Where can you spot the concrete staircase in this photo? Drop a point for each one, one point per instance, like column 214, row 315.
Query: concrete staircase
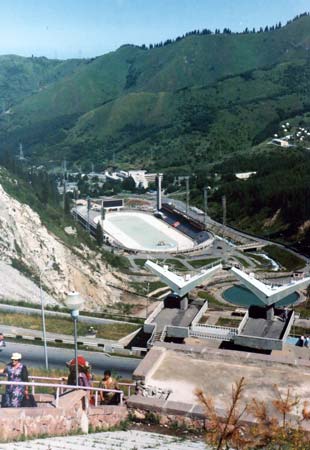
column 125, row 440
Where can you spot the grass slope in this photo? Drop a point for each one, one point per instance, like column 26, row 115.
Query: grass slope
column 204, row 93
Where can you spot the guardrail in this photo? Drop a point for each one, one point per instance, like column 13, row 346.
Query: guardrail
column 215, row 327
column 62, row 380
column 60, row 388
column 153, row 336
column 213, row 332
column 217, row 337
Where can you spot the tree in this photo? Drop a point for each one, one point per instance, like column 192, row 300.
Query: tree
column 129, row 184
column 67, row 204
column 99, row 234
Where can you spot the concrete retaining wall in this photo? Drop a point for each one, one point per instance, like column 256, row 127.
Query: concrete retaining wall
column 70, row 417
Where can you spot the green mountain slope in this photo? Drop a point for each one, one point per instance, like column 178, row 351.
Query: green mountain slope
column 21, row 77
column 199, row 104
column 169, row 106
column 135, row 97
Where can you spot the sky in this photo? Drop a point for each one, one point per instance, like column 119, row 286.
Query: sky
column 86, row 28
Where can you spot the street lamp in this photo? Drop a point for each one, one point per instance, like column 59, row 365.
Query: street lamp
column 147, row 300
column 74, row 302
column 49, row 265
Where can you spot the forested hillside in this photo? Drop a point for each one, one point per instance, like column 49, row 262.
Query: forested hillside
column 201, row 104
column 172, row 105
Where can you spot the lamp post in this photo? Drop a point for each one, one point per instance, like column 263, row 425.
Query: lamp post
column 49, row 265
column 147, row 300
column 74, row 303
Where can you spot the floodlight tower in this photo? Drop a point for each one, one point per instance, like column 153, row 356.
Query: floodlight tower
column 187, row 194
column 64, row 182
column 205, row 195
column 88, row 213
column 159, row 178
column 21, row 156
column 224, row 209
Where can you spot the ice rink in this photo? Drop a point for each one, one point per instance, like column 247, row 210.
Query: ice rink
column 142, row 231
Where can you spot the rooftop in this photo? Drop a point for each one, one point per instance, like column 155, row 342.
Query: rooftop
column 176, row 316
column 215, row 371
column 272, row 329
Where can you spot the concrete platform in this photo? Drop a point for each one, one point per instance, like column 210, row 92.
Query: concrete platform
column 215, row 371
column 176, row 316
column 264, row 328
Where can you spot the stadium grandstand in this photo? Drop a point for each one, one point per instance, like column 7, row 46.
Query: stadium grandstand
column 187, row 225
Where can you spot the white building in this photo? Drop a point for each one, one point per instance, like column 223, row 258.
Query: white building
column 280, row 142
column 244, row 175
column 142, row 178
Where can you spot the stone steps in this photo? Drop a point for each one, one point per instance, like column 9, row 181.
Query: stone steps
column 122, row 440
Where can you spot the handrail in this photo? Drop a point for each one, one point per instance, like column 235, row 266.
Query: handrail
column 214, row 327
column 60, row 387
column 35, row 377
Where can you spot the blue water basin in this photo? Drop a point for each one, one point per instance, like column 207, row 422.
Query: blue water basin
column 241, row 296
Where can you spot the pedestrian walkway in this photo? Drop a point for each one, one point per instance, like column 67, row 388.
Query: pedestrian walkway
column 125, row 440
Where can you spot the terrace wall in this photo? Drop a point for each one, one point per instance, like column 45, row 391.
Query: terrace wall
column 46, row 420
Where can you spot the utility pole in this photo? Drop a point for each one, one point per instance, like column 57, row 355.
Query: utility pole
column 21, row 152
column 159, row 178
column 205, row 195
column 88, row 209
column 147, row 300
column 187, row 194
column 224, row 209
column 102, row 211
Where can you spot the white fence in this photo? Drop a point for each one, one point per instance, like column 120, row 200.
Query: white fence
column 213, row 332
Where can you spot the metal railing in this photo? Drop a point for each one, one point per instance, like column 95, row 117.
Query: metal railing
column 63, row 380
column 217, row 337
column 203, row 326
column 213, row 332
column 60, row 388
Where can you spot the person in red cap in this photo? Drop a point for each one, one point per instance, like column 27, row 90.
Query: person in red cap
column 83, row 368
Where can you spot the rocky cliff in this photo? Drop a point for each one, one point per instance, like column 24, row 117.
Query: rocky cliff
column 28, row 250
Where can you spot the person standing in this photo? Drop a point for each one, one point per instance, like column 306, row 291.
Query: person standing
column 84, row 378
column 14, row 394
column 2, row 341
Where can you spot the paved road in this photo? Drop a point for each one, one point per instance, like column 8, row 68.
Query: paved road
column 33, row 356
column 36, row 311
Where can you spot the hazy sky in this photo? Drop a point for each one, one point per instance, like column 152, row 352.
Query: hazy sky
column 85, row 28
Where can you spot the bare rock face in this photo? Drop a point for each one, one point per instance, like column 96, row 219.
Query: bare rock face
column 28, row 246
